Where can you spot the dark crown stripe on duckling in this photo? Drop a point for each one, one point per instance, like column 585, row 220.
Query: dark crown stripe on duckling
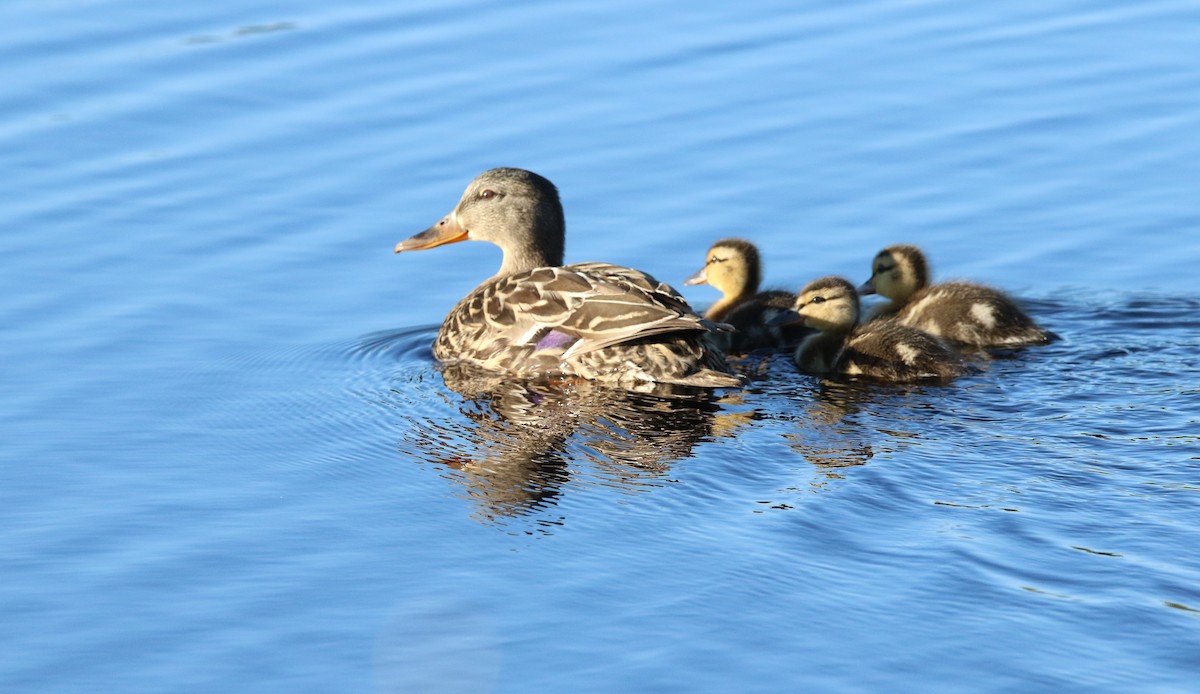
column 837, row 285
column 916, row 260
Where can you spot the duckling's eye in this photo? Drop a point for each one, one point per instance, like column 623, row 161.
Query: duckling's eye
column 715, row 259
column 882, row 269
column 817, row 300
column 488, row 194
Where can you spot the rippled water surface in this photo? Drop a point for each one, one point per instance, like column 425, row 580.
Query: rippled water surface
column 230, row 462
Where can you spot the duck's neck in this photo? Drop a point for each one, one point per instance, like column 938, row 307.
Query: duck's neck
column 881, row 310
column 539, row 245
column 733, row 294
column 724, row 305
column 900, row 297
column 819, row 353
column 524, row 261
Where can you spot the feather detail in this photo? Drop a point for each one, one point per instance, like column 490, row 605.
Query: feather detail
column 537, row 317
column 548, row 320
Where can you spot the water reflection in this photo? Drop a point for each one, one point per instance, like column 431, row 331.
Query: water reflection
column 842, row 424
column 827, row 433
column 519, row 445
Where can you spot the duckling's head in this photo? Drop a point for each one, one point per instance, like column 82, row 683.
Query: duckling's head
column 732, row 266
column 829, row 304
column 897, row 272
column 515, row 209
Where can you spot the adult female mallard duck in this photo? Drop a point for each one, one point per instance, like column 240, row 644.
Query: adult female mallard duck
column 733, row 267
column 537, row 317
column 882, row 349
column 967, row 314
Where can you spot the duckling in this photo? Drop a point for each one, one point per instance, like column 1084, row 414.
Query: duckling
column 539, row 318
column 966, row 314
column 733, row 267
column 882, row 349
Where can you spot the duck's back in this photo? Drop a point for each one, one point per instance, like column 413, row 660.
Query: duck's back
column 750, row 320
column 592, row 320
column 971, row 315
column 888, row 350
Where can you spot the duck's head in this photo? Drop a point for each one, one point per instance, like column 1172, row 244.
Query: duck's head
column 829, row 304
column 732, row 266
column 515, row 209
column 897, row 272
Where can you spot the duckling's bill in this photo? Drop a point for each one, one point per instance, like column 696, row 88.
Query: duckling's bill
column 701, row 277
column 867, row 287
column 446, row 231
column 788, row 317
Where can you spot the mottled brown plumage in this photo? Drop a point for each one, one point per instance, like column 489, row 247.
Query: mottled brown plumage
column 539, row 318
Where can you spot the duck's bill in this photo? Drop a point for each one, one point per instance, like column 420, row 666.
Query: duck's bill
column 440, row 234
column 701, row 277
column 787, row 317
column 867, row 287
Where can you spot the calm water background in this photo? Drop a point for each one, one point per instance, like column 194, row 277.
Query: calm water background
column 230, row 464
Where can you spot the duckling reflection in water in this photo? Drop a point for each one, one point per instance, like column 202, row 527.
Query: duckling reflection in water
column 827, row 433
column 732, row 266
column 966, row 314
column 882, row 349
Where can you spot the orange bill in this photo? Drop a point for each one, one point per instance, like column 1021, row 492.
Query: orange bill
column 445, row 231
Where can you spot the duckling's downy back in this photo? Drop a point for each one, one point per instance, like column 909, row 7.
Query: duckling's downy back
column 965, row 313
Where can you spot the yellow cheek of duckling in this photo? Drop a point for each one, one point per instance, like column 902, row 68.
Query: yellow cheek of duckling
column 812, row 317
column 818, row 323
column 720, row 275
column 886, row 284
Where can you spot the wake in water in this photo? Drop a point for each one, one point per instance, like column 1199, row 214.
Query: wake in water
column 515, row 446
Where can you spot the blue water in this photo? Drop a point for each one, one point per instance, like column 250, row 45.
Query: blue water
column 230, row 463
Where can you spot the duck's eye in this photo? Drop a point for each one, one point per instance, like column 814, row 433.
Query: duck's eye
column 817, row 300
column 488, row 194
column 882, row 269
column 715, row 259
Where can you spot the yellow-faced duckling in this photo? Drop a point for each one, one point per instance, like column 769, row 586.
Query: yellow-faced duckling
column 733, row 267
column 538, row 318
column 882, row 349
column 966, row 314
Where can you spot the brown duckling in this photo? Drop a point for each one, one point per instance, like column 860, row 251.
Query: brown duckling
column 882, row 349
column 733, row 267
column 966, row 314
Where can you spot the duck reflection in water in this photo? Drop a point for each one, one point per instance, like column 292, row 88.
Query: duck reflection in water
column 523, row 443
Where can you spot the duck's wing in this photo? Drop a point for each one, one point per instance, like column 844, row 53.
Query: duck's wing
column 594, row 320
column 590, row 306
